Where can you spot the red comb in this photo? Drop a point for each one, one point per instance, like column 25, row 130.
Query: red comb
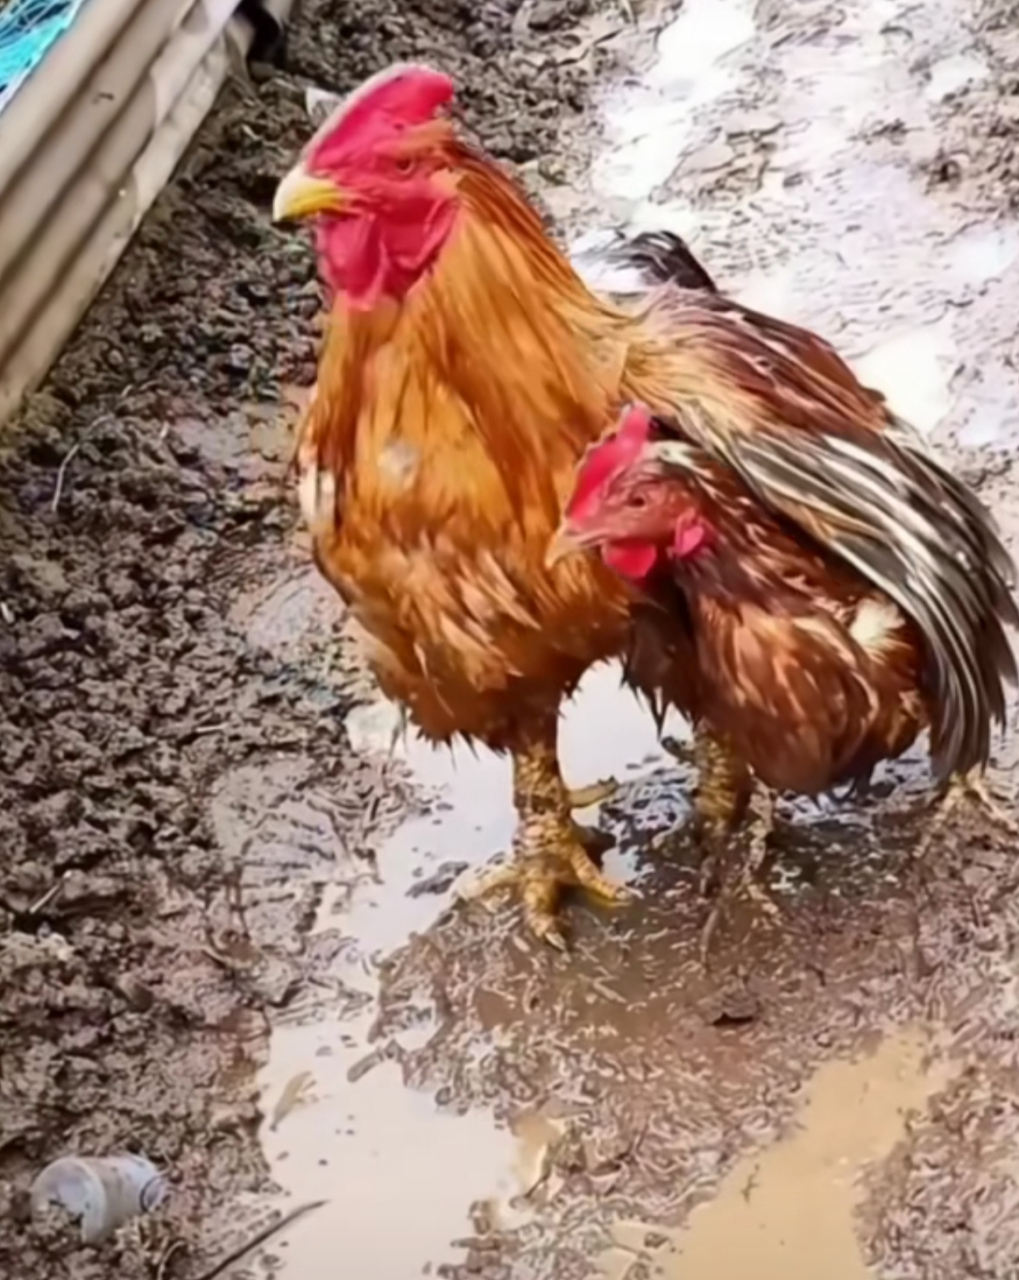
column 406, row 93
column 607, row 458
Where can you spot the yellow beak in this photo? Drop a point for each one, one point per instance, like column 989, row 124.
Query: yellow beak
column 301, row 194
column 564, row 543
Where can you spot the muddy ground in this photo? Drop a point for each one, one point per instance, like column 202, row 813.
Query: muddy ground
column 211, row 869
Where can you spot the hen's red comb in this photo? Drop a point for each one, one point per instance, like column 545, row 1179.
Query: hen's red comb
column 407, row 93
column 607, row 459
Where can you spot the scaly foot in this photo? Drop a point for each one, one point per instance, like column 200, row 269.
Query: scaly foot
column 725, row 786
column 748, row 879
column 548, row 857
column 972, row 788
column 722, row 788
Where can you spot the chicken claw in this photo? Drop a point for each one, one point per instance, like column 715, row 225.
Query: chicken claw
column 550, row 851
column 747, row 881
column 970, row 787
column 723, row 787
column 596, row 793
column 548, row 858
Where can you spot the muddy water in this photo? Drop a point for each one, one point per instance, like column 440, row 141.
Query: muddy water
column 786, row 1212
column 376, row 1150
column 463, row 1087
column 840, row 234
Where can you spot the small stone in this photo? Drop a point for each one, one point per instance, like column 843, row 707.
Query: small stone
column 135, row 992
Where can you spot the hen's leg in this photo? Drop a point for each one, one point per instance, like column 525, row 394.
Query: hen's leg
column 968, row 788
column 550, row 850
column 758, row 857
column 724, row 785
column 755, row 862
column 724, row 789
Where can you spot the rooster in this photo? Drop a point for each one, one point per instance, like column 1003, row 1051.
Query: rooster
column 464, row 370
column 811, row 666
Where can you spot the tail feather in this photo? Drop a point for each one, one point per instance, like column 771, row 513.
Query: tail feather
column 910, row 527
column 662, row 257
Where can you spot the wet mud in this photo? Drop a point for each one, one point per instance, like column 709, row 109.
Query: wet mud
column 228, row 936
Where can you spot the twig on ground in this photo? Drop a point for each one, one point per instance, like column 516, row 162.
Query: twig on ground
column 260, row 1238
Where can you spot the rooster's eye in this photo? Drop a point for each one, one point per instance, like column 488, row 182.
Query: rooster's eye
column 403, row 164
column 638, row 500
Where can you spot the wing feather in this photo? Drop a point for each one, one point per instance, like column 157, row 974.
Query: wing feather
column 780, row 407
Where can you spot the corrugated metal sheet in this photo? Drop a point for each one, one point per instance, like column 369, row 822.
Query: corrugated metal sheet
column 87, row 144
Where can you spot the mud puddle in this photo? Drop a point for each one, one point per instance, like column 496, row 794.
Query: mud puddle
column 177, row 755
column 786, row 1213
column 340, row 1122
column 176, row 785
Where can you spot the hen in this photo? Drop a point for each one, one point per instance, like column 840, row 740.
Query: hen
column 812, row 665
column 464, row 370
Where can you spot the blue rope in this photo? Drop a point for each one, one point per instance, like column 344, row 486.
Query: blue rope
column 28, row 29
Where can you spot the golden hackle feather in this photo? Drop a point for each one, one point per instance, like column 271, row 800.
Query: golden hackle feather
column 451, row 423
column 503, row 329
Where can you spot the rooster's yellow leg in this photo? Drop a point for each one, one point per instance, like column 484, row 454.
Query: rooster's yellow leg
column 550, row 851
column 969, row 788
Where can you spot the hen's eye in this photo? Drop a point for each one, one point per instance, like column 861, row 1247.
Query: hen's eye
column 403, row 164
column 638, row 500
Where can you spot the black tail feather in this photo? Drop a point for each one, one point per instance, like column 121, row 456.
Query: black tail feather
column 662, row 257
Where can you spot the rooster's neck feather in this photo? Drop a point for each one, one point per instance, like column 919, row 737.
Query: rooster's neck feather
column 504, row 330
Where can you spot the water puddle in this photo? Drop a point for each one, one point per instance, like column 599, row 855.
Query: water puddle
column 348, row 1130
column 650, row 124
column 953, row 73
column 400, row 1177
column 834, row 233
column 915, row 370
column 786, row 1213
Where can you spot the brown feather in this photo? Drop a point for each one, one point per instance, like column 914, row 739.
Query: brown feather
column 778, row 406
column 810, row 675
column 486, row 384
